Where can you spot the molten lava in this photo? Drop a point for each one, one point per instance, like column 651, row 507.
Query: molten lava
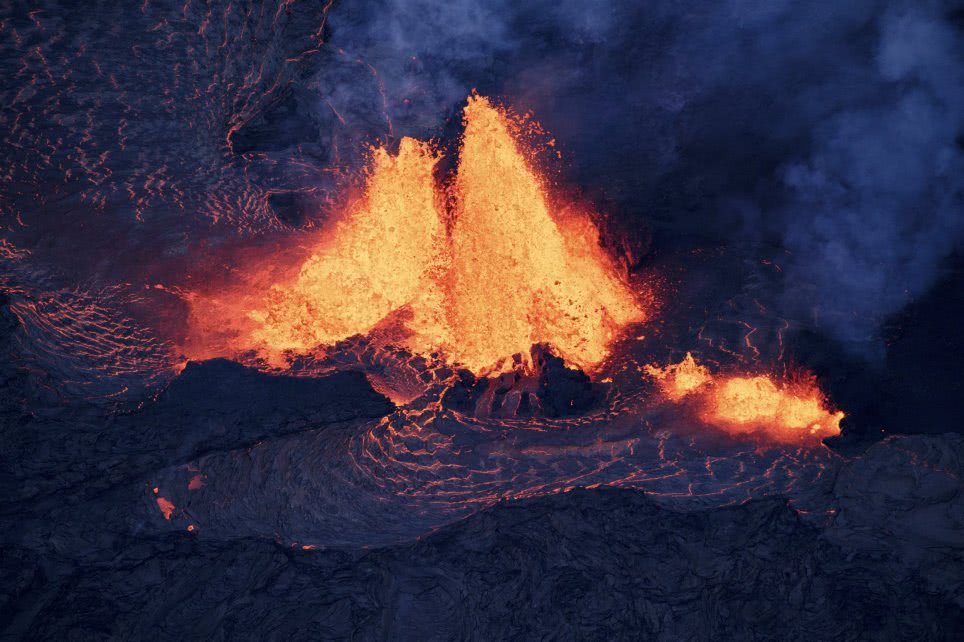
column 376, row 261
column 785, row 411
column 520, row 275
column 503, row 271
column 680, row 379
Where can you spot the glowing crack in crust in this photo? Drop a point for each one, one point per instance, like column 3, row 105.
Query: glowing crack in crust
column 502, row 272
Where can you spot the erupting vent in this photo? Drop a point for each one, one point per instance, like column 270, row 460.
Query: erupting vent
column 478, row 282
column 473, row 269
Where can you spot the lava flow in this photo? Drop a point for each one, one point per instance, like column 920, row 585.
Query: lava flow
column 478, row 282
column 786, row 411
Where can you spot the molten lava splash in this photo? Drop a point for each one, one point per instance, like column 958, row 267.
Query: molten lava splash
column 680, row 379
column 505, row 274
column 785, row 411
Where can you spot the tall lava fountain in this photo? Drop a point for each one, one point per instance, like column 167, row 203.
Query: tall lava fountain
column 478, row 282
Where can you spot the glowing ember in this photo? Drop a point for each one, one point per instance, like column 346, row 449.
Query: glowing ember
column 787, row 411
column 504, row 273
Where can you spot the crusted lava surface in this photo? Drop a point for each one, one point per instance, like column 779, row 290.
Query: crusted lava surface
column 238, row 503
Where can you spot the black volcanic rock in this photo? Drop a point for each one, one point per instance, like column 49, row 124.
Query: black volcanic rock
column 212, row 405
column 562, row 391
column 222, row 387
column 548, row 389
column 600, row 565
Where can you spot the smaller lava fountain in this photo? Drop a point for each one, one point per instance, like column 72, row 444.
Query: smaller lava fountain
column 791, row 411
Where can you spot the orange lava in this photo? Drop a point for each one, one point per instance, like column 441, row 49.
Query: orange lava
column 377, row 260
column 680, row 379
column 166, row 507
column 784, row 411
column 519, row 274
column 477, row 282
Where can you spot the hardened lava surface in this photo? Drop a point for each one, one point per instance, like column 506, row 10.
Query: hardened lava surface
column 243, row 504
column 422, row 466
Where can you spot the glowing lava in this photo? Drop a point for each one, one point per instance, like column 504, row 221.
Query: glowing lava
column 677, row 380
column 501, row 272
column 519, row 274
column 785, row 411
column 377, row 260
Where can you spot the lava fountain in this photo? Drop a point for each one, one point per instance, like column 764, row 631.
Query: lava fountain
column 789, row 411
column 476, row 282
column 421, row 273
column 474, row 270
column 378, row 260
column 520, row 275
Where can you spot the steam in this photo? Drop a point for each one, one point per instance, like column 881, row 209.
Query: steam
column 878, row 204
column 831, row 129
